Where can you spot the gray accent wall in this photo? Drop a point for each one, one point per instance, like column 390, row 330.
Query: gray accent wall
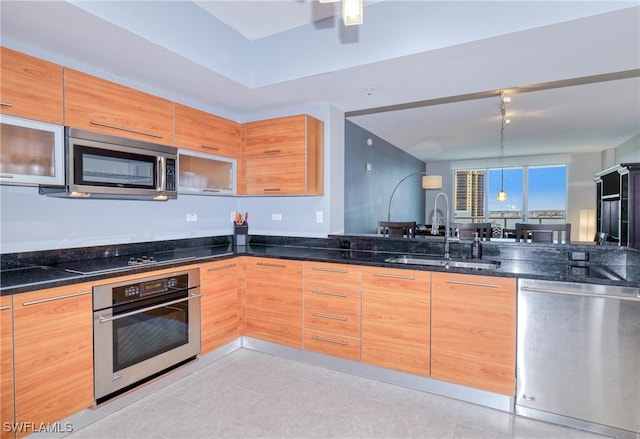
column 367, row 192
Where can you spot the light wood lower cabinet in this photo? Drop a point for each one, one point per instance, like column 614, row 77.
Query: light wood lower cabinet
column 221, row 286
column 332, row 309
column 274, row 300
column 53, row 342
column 473, row 331
column 395, row 319
column 6, row 367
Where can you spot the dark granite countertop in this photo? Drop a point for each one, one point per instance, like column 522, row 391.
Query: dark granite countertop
column 36, row 270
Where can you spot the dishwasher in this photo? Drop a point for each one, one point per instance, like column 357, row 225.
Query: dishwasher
column 578, row 356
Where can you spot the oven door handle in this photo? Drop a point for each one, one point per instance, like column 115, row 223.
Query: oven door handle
column 104, row 319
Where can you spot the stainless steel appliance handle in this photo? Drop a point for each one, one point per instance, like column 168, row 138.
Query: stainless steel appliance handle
column 163, row 174
column 115, row 127
column 104, row 319
column 576, row 293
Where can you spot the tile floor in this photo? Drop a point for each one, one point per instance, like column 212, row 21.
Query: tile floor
column 249, row 394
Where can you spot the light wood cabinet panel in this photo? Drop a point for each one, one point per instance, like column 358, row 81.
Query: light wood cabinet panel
column 53, row 341
column 396, row 319
column 330, row 343
column 6, row 366
column 283, row 156
column 274, row 300
column 30, row 87
column 473, row 338
column 98, row 105
column 221, row 286
column 332, row 309
column 206, row 132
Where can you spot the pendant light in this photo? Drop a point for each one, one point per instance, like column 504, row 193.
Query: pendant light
column 502, row 195
column 352, row 11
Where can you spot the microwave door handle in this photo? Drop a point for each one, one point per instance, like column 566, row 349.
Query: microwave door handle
column 162, row 171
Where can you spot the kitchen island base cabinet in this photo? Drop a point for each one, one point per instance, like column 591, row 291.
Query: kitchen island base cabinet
column 53, row 341
column 473, row 331
column 395, row 319
column 221, row 286
column 274, row 301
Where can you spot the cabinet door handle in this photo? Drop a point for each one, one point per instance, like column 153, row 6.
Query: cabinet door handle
column 268, row 264
column 271, row 189
column 395, row 276
column 330, row 270
column 6, row 104
column 271, row 151
column 5, row 307
column 6, row 176
column 222, row 267
column 329, row 293
column 210, row 190
column 474, row 284
column 115, row 127
column 51, row 299
column 215, row 148
column 327, row 316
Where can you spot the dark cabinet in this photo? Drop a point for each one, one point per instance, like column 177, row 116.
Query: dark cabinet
column 618, row 204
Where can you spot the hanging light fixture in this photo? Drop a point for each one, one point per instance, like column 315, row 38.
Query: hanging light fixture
column 352, row 11
column 502, row 195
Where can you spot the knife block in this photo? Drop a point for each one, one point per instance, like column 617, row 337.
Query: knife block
column 240, row 234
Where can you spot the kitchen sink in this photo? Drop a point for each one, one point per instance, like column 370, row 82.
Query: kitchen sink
column 446, row 263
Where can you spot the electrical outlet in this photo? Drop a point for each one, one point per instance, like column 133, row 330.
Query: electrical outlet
column 192, row 217
column 369, row 167
column 319, row 216
column 233, row 215
column 276, row 217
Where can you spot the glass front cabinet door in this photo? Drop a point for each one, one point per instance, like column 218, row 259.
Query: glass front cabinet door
column 31, row 152
column 205, row 174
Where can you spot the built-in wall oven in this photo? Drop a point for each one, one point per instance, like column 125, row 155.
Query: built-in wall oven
column 144, row 327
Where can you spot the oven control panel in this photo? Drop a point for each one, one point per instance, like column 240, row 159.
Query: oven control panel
column 149, row 288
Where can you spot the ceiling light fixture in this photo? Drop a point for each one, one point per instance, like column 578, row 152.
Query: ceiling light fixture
column 502, row 195
column 352, row 11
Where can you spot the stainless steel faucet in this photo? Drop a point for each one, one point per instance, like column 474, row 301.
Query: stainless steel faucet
column 434, row 222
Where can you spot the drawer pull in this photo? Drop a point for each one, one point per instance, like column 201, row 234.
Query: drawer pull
column 329, row 293
column 271, row 151
column 3, row 308
column 51, row 299
column 271, row 189
column 215, row 148
column 106, row 125
column 269, row 264
column 395, row 276
column 6, row 176
column 474, row 284
column 330, row 270
column 327, row 316
column 6, row 104
column 329, row 340
column 222, row 267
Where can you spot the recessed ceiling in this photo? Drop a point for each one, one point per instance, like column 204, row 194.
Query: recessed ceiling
column 245, row 59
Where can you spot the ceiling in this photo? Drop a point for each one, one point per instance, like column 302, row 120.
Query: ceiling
column 422, row 75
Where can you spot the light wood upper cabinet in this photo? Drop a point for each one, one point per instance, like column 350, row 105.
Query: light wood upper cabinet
column 283, row 156
column 332, row 309
column 396, row 319
column 98, row 105
column 206, row 132
column 30, row 87
column 6, row 366
column 473, row 332
column 274, row 300
column 53, row 342
column 221, row 286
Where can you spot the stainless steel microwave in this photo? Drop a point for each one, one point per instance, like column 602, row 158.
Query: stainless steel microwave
column 104, row 166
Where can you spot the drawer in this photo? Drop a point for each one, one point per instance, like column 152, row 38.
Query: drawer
column 320, row 295
column 332, row 344
column 333, row 274
column 331, row 321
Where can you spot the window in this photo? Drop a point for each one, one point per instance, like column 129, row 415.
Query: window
column 534, row 194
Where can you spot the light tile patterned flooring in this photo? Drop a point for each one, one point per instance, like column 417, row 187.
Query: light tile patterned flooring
column 249, row 394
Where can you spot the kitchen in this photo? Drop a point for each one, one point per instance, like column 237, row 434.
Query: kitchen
column 88, row 223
